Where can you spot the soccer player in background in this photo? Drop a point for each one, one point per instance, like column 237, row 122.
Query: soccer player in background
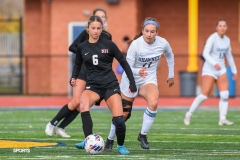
column 70, row 111
column 143, row 56
column 216, row 49
column 97, row 54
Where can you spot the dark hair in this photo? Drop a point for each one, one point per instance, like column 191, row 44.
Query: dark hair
column 220, row 20
column 94, row 19
column 140, row 34
column 99, row 9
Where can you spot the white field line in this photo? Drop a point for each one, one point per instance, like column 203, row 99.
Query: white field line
column 162, row 134
column 87, row 157
column 33, row 126
column 125, row 157
column 154, row 141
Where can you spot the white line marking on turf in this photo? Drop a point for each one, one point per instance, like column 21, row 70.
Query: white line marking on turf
column 64, row 139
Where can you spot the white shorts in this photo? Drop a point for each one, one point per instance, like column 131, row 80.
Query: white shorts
column 211, row 71
column 124, row 87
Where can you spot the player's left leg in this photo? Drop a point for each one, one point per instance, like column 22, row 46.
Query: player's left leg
column 115, row 105
column 127, row 108
column 222, row 84
column 150, row 93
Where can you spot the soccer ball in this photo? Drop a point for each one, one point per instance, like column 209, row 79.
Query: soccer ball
column 94, row 144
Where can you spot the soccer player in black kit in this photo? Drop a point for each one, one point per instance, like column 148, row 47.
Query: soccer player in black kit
column 70, row 111
column 97, row 55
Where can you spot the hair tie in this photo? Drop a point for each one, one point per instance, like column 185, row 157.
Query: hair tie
column 150, row 22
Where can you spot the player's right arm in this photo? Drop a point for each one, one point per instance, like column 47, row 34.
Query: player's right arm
column 207, row 50
column 77, row 65
column 81, row 38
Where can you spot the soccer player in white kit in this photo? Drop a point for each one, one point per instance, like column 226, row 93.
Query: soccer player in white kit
column 216, row 49
column 143, row 57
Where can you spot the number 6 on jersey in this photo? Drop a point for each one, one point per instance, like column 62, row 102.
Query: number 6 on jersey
column 95, row 59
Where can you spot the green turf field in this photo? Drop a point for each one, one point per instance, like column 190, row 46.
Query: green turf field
column 169, row 138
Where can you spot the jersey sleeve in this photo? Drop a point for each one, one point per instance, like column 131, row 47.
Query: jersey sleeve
column 207, row 49
column 170, row 59
column 121, row 59
column 81, row 38
column 131, row 56
column 231, row 60
column 78, row 63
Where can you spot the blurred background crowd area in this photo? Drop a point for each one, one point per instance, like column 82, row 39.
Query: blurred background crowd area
column 35, row 36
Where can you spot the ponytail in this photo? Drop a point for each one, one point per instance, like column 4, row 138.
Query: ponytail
column 136, row 37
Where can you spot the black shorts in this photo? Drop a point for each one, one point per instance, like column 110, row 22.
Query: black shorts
column 83, row 73
column 105, row 93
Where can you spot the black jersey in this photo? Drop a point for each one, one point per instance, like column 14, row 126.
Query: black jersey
column 83, row 36
column 98, row 58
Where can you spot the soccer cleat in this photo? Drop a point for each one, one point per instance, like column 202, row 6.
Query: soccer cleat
column 61, row 132
column 49, row 129
column 143, row 139
column 122, row 149
column 187, row 118
column 225, row 122
column 108, row 145
column 80, row 145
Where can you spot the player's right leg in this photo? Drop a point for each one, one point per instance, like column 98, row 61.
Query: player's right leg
column 207, row 85
column 67, row 109
column 88, row 98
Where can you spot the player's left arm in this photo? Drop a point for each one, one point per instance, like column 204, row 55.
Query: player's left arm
column 170, row 61
column 121, row 59
column 231, row 62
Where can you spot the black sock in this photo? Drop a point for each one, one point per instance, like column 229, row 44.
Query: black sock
column 64, row 111
column 68, row 119
column 87, row 123
column 119, row 123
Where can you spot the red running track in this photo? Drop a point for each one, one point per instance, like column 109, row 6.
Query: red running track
column 59, row 101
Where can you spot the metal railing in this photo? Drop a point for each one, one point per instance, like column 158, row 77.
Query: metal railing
column 40, row 68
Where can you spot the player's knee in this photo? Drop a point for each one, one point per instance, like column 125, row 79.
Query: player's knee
column 84, row 106
column 224, row 95
column 119, row 122
column 127, row 109
column 76, row 102
column 153, row 104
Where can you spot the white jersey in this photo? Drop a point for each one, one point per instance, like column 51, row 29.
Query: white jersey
column 216, row 48
column 141, row 54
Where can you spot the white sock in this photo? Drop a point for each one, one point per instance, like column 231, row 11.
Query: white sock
column 148, row 119
column 223, row 104
column 197, row 102
column 112, row 133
